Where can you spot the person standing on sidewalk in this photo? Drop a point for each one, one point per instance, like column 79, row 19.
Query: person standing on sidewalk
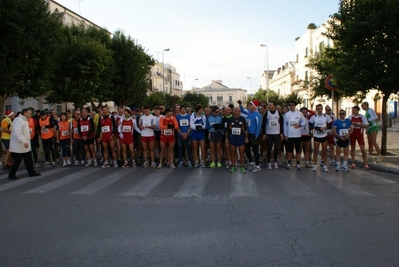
column 6, row 127
column 359, row 123
column 372, row 131
column 20, row 145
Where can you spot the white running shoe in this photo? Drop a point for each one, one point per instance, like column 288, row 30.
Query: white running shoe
column 288, row 166
column 275, row 166
column 95, row 163
column 269, row 166
column 88, row 164
column 345, row 168
column 160, row 166
column 325, row 169
column 314, row 168
column 298, row 167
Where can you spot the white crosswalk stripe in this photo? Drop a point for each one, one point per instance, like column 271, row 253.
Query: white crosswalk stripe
column 63, row 181
column 104, row 182
column 243, row 185
column 343, row 184
column 195, row 184
column 147, row 183
column 19, row 172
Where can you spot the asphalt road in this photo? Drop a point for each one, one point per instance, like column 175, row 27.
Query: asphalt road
column 199, row 217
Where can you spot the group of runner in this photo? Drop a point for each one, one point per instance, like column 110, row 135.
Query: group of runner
column 235, row 137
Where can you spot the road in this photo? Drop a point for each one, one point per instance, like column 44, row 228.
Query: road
column 199, row 217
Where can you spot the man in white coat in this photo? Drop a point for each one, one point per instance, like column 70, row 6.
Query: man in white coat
column 20, row 145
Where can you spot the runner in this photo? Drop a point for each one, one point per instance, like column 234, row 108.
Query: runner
column 157, row 132
column 77, row 141
column 330, row 135
column 215, row 128
column 197, row 125
column 6, row 127
column 319, row 123
column 47, row 133
column 283, row 143
column 342, row 129
column 254, row 123
column 64, row 139
column 272, row 133
column 227, row 116
column 237, row 137
column 305, row 138
column 293, row 123
column 168, row 125
column 87, row 133
column 359, row 123
column 126, row 134
column 106, row 132
column 147, row 126
column 372, row 132
column 33, row 128
column 184, row 136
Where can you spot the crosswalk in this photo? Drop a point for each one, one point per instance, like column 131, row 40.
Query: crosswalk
column 193, row 183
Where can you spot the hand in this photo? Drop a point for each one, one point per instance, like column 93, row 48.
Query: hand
column 121, row 135
column 281, row 137
column 246, row 140
column 227, row 142
column 239, row 102
column 286, row 138
column 297, row 126
column 26, row 145
column 99, row 140
column 84, row 138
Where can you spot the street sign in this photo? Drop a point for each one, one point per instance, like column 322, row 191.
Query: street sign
column 329, row 83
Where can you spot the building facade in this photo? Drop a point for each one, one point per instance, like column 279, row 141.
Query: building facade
column 221, row 95
column 283, row 78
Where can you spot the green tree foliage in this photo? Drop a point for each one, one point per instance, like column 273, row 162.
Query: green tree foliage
column 263, row 95
column 133, row 69
column 29, row 36
column 85, row 68
column 365, row 35
column 191, row 99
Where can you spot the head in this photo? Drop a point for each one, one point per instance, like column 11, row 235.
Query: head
column 27, row 113
column 105, row 110
column 52, row 112
column 227, row 111
column 88, row 110
column 189, row 111
column 121, row 111
column 63, row 117
column 253, row 105
column 231, row 106
column 292, row 105
column 215, row 111
column 162, row 108
column 199, row 109
column 43, row 115
column 272, row 105
column 146, row 110
column 84, row 113
column 328, row 110
column 285, row 109
column 168, row 112
column 355, row 110
column 10, row 114
column 279, row 108
column 76, row 114
column 127, row 112
column 69, row 114
column 365, row 105
column 177, row 109
column 207, row 111
column 237, row 112
column 263, row 108
column 342, row 114
column 319, row 109
column 37, row 112
column 183, row 110
column 157, row 111
column 304, row 111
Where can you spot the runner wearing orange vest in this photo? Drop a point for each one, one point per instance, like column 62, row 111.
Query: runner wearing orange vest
column 87, row 133
column 33, row 144
column 77, row 141
column 47, row 132
column 64, row 139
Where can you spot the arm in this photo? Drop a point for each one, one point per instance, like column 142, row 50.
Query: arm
column 258, row 120
column 243, row 110
column 175, row 123
column 92, row 127
column 98, row 132
column 114, row 126
column 373, row 115
column 19, row 135
column 263, row 126
column 161, row 124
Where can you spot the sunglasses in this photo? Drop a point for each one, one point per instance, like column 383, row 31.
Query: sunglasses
column 341, row 113
column 292, row 105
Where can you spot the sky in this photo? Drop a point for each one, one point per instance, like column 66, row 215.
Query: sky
column 211, row 39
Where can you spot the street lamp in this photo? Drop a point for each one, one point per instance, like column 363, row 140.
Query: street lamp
column 196, row 79
column 163, row 70
column 266, row 64
column 250, row 84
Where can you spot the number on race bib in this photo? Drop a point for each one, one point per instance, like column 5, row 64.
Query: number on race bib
column 126, row 129
column 105, row 129
column 293, row 123
column 343, row 132
column 75, row 131
column 329, row 131
column 248, row 122
column 84, row 128
column 45, row 130
column 167, row 132
column 273, row 124
column 65, row 133
column 184, row 122
column 236, row 131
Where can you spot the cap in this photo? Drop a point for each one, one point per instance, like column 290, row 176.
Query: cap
column 128, row 109
column 255, row 103
column 9, row 113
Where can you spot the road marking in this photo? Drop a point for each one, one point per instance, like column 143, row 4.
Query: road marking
column 370, row 177
column 63, row 181
column 26, row 180
column 342, row 183
column 19, row 172
column 294, row 186
column 104, row 182
column 243, row 185
column 195, row 184
column 148, row 183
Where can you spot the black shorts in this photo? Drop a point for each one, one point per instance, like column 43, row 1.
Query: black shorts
column 157, row 136
column 305, row 138
column 6, row 143
column 215, row 137
column 206, row 132
column 342, row 143
column 295, row 141
column 321, row 140
column 89, row 142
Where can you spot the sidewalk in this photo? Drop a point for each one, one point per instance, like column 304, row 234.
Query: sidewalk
column 390, row 163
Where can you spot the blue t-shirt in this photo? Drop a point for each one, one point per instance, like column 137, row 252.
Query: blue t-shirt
column 342, row 127
column 184, row 122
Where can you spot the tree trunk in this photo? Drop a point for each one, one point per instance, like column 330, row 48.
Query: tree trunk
column 2, row 102
column 384, row 124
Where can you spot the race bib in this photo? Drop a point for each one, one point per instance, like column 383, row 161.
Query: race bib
column 45, row 130
column 293, row 123
column 105, row 129
column 126, row 129
column 319, row 132
column 184, row 122
column 225, row 125
column 84, row 128
column 146, row 124
column 329, row 131
column 75, row 131
column 167, row 132
column 65, row 133
column 305, row 127
column 248, row 122
column 273, row 123
column 343, row 132
column 236, row 131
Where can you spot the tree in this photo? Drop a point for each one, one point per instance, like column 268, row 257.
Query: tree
column 264, row 95
column 365, row 49
column 85, row 68
column 133, row 69
column 29, row 36
column 191, row 99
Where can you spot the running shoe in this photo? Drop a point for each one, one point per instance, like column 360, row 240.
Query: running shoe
column 53, row 163
column 146, row 164
column 64, row 164
column 256, row 169
column 153, row 165
column 180, row 165
column 116, row 164
column 202, row 165
column 367, row 167
column 242, row 170
column 159, row 166
column 233, row 169
column 134, row 165
column 105, row 165
column 308, row 165
column 219, row 165
column 38, row 166
column 250, row 166
column 379, row 159
column 172, row 166
column 95, row 163
column 325, row 169
column 314, row 168
column 212, row 165
column 269, row 166
column 189, row 165
column 333, row 163
column 83, row 162
column 196, row 165
column 46, row 165
column 275, row 166
column 88, row 164
column 298, row 167
column 345, row 168
column 337, row 169
column 125, row 165
column 288, row 166
column 353, row 166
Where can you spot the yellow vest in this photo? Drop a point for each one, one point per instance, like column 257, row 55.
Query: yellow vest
column 6, row 123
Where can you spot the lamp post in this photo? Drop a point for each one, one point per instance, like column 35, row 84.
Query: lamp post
column 266, row 64
column 163, row 70
column 196, row 79
column 250, row 84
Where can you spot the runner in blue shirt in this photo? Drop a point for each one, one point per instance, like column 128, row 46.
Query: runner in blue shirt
column 342, row 129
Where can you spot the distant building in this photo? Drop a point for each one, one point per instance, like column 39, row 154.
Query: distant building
column 172, row 83
column 221, row 95
column 283, row 78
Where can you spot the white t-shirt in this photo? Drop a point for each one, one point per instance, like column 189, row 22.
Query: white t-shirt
column 320, row 121
column 291, row 118
column 147, row 121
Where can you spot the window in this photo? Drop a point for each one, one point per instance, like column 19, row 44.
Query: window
column 297, row 58
column 230, row 98
column 306, row 52
column 209, row 98
column 59, row 109
column 219, row 98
